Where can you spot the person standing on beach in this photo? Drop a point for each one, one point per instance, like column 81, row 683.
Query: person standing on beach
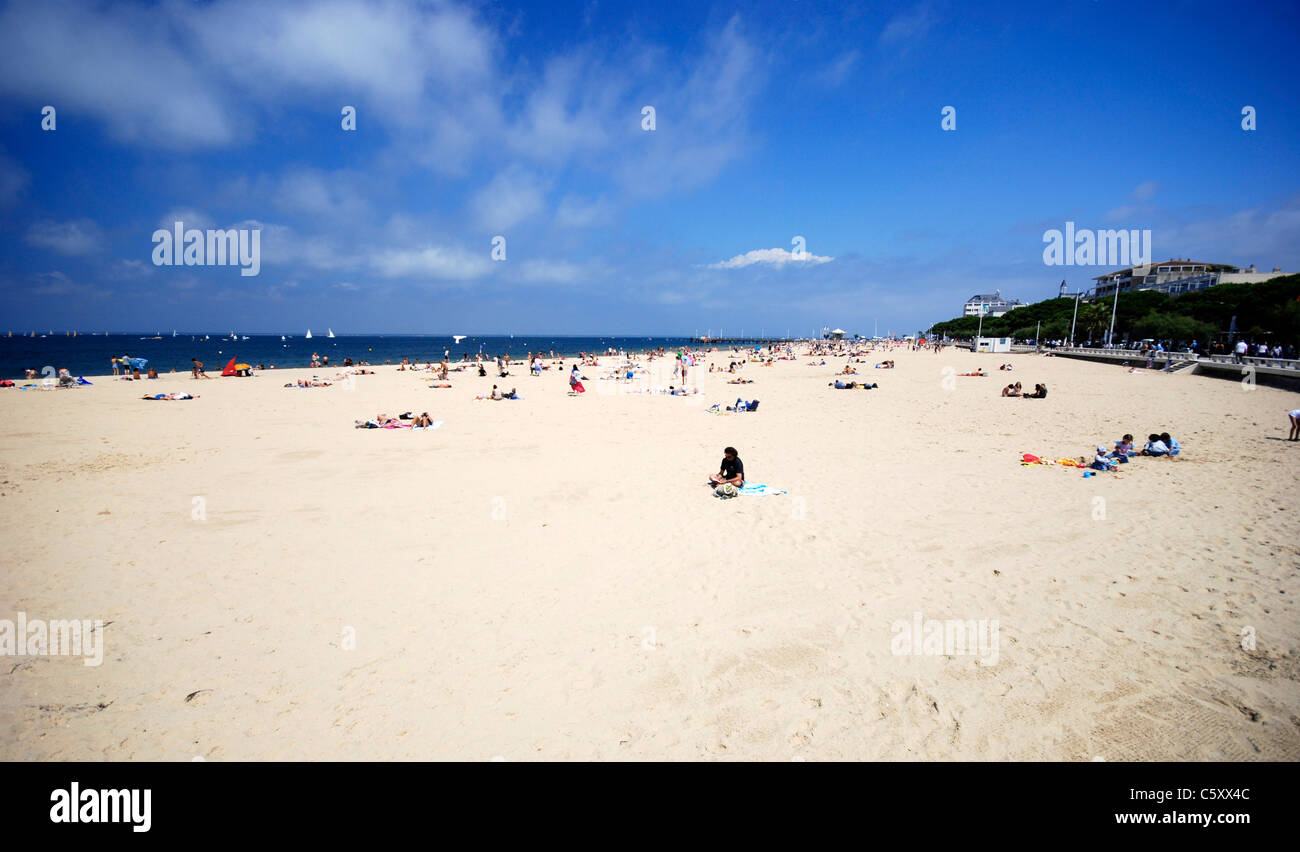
column 575, row 381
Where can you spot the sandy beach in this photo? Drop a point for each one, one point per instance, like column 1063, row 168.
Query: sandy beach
column 550, row 579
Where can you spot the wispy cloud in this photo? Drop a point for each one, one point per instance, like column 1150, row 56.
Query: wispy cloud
column 771, row 257
column 80, row 236
column 432, row 262
column 908, row 26
column 1146, row 190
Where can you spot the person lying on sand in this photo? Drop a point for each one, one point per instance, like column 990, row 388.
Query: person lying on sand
column 838, row 385
column 848, row 371
column 732, row 470
column 889, row 365
column 168, row 396
column 422, row 420
column 739, row 381
column 977, row 372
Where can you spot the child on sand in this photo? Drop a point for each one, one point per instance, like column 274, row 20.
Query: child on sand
column 1100, row 461
column 1294, row 434
column 1155, row 446
column 1171, row 443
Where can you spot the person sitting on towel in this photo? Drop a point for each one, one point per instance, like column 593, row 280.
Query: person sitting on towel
column 732, row 470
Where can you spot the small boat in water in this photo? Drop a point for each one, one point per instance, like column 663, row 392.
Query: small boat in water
column 331, row 334
column 308, row 334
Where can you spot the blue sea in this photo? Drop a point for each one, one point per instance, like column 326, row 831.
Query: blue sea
column 87, row 355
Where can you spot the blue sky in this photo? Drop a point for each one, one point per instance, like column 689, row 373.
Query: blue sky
column 772, row 121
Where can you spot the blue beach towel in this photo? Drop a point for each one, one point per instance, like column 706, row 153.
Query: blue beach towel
column 758, row 490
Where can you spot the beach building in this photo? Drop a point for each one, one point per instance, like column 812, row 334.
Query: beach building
column 993, row 344
column 1178, row 276
column 990, row 305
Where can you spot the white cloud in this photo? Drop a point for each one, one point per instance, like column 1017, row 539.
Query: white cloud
column 550, row 272
column 119, row 63
column 188, row 215
column 771, row 257
column 80, row 236
column 1146, row 190
column 575, row 212
column 128, row 269
column 835, row 73
column 13, row 180
column 58, row 284
column 434, row 262
column 513, row 196
column 907, row 26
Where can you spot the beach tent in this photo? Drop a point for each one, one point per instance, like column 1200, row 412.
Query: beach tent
column 230, row 368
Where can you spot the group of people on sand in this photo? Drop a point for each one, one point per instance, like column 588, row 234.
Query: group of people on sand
column 496, row 394
column 1039, row 392
column 1157, row 446
column 383, row 421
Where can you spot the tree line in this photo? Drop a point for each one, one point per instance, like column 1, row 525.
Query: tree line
column 1265, row 312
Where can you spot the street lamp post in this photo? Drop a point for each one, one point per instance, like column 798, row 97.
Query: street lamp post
column 1076, row 317
column 1110, row 334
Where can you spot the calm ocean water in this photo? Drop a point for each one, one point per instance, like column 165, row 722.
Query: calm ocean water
column 87, row 355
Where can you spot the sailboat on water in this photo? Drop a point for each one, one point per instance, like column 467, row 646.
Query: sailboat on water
column 308, row 335
column 331, row 333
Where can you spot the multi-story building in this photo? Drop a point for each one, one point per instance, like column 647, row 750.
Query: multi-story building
column 1177, row 276
column 990, row 305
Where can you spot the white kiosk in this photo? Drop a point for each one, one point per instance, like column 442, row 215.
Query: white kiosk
column 993, row 344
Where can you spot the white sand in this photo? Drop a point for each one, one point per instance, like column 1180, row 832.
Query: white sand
column 528, row 636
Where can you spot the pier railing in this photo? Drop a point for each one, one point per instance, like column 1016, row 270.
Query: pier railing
column 1218, row 363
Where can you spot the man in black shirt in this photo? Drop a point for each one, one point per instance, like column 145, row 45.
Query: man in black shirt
column 732, row 470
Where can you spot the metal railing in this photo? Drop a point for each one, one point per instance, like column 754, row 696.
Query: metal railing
column 1288, row 364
